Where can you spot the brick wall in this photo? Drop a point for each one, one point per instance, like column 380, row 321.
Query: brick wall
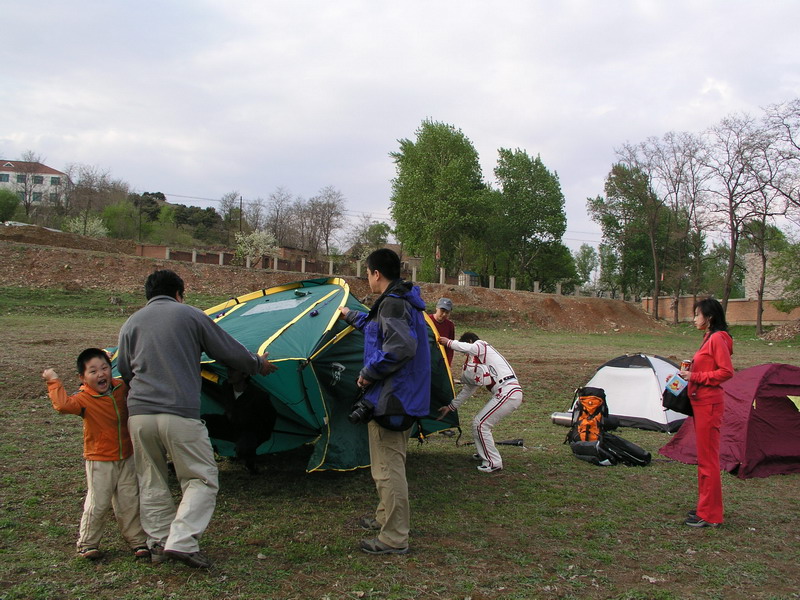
column 739, row 312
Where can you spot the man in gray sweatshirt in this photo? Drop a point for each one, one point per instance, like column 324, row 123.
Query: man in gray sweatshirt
column 159, row 358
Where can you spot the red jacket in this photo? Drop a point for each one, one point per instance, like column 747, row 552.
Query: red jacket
column 105, row 418
column 711, row 367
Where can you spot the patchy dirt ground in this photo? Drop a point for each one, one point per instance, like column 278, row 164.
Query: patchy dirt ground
column 36, row 257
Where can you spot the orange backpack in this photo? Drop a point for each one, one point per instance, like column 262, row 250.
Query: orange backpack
column 588, row 415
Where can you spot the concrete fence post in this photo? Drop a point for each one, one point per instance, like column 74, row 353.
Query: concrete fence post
column 414, row 274
column 491, row 282
column 194, row 255
column 513, row 284
column 535, row 287
column 302, row 264
column 442, row 278
column 166, row 253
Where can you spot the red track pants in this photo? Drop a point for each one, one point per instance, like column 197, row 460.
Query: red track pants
column 707, row 422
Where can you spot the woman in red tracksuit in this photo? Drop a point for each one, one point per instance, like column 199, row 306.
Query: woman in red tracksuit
column 711, row 366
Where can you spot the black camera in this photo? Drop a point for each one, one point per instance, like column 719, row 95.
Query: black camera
column 361, row 411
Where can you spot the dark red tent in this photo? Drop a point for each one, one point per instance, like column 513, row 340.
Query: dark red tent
column 760, row 426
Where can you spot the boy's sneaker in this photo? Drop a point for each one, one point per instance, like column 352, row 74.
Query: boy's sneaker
column 90, row 553
column 196, row 560
column 375, row 546
column 157, row 555
column 696, row 521
column 488, row 469
column 141, row 552
column 369, row 523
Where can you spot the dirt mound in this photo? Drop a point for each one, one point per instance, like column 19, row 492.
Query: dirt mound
column 32, row 234
column 66, row 267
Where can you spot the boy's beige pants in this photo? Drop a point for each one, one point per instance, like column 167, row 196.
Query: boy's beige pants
column 111, row 484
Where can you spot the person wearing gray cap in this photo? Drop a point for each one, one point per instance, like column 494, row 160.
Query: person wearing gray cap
column 444, row 326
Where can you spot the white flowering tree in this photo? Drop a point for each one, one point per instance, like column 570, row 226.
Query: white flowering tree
column 254, row 246
column 89, row 225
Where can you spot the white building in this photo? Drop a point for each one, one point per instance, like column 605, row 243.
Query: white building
column 33, row 182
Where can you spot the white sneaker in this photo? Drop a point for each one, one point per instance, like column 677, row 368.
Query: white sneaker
column 488, row 469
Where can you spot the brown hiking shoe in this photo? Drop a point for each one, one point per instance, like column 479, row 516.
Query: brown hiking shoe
column 196, row 560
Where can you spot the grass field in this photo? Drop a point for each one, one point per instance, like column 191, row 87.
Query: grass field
column 547, row 526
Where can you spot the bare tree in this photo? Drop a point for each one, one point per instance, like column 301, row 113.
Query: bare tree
column 89, row 189
column 733, row 146
column 327, row 210
column 30, row 183
column 278, row 215
column 255, row 215
column 783, row 121
column 678, row 176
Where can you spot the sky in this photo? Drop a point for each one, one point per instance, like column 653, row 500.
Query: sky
column 197, row 99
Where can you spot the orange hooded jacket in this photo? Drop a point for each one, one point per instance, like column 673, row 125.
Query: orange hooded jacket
column 105, row 418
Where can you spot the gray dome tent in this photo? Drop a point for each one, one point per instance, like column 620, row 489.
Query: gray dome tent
column 634, row 384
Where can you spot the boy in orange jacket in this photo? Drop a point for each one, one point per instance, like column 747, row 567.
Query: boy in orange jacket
column 110, row 473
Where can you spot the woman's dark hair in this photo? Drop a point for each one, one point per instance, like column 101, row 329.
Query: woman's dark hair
column 712, row 310
column 87, row 355
column 163, row 283
column 386, row 262
column 468, row 337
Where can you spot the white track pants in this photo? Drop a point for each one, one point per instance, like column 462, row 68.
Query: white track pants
column 500, row 406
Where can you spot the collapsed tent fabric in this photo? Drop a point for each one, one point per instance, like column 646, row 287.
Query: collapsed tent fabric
column 308, row 399
column 634, row 384
column 760, row 424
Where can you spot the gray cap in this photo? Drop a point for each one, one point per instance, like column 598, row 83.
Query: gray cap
column 445, row 303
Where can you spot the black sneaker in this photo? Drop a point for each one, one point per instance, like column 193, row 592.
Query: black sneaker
column 196, row 560
column 696, row 521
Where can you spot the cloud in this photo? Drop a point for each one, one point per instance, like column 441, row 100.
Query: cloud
column 199, row 98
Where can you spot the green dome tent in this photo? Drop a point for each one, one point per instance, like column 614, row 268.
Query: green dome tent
column 308, row 399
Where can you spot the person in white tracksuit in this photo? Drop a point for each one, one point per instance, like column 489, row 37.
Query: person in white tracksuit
column 485, row 366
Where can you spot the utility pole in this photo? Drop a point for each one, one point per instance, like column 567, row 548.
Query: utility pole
column 240, row 214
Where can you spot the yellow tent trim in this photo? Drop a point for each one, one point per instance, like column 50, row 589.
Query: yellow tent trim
column 308, row 309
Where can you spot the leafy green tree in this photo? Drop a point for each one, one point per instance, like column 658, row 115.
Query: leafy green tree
column 9, row 201
column 434, row 194
column 553, row 265
column 715, row 271
column 122, row 220
column 586, row 261
column 761, row 238
column 609, row 277
column 785, row 265
column 533, row 214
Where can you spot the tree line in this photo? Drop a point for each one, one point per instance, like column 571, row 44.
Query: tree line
column 682, row 208
column 677, row 214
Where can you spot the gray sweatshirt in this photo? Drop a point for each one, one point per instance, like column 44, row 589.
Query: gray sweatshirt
column 159, row 356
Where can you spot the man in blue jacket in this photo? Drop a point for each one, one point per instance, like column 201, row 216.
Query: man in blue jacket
column 396, row 379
